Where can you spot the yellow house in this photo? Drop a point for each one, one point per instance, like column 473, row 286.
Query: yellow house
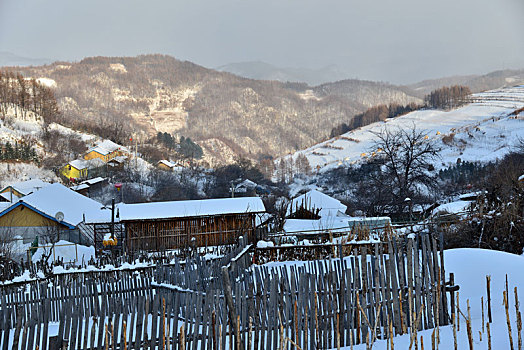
column 52, row 210
column 105, row 150
column 21, row 215
column 76, row 169
column 165, row 165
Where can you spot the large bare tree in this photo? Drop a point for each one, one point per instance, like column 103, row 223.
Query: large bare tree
column 406, row 157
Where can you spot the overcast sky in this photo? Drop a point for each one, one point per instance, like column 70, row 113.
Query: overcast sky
column 390, row 40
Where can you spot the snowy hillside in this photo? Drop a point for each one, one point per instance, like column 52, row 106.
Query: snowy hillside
column 22, row 126
column 484, row 130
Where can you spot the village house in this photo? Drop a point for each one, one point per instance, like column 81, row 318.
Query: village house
column 96, row 162
column 166, row 165
column 81, row 169
column 245, row 188
column 180, row 224
column 52, row 212
column 105, row 150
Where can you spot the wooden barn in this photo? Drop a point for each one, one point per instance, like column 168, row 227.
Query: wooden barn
column 179, row 224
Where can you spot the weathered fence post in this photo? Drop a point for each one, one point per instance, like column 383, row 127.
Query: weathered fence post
column 488, row 288
column 228, row 293
column 18, row 328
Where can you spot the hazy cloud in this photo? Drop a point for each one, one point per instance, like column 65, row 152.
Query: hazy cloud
column 398, row 41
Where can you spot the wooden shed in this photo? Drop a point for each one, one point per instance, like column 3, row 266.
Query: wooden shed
column 179, row 224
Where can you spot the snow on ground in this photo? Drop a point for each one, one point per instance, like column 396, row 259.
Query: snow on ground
column 480, row 131
column 17, row 125
column 68, row 131
column 16, row 172
column 66, row 251
column 48, row 82
column 456, row 207
column 471, row 267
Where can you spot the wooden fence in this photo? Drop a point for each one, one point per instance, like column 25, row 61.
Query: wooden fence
column 228, row 302
column 287, row 252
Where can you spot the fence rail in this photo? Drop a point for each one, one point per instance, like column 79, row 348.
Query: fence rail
column 201, row 304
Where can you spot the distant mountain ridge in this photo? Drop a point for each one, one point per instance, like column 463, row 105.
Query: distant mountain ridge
column 333, row 77
column 8, row 59
column 265, row 71
column 477, row 83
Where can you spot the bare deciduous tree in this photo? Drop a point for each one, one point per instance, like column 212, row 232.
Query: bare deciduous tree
column 406, row 159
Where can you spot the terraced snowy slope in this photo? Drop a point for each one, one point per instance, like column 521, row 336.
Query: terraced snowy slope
column 483, row 130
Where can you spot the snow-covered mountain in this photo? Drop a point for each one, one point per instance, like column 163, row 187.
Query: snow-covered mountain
column 484, row 130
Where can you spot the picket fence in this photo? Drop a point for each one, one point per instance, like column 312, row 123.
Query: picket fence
column 229, row 303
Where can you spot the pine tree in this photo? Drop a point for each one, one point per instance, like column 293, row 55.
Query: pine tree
column 9, row 151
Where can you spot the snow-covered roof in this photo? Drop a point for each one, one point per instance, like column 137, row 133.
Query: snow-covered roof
column 86, row 164
column 456, row 207
column 521, row 177
column 79, row 164
column 4, row 205
column 471, row 195
column 328, row 206
column 167, row 163
column 93, row 181
column 118, row 159
column 341, row 222
column 247, row 184
column 303, row 225
column 105, row 147
column 29, row 186
column 80, row 187
column 191, row 208
column 56, row 198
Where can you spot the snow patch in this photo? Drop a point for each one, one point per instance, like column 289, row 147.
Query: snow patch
column 66, row 251
column 118, row 67
column 48, row 82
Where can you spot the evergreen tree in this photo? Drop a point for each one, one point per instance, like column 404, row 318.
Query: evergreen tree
column 9, row 151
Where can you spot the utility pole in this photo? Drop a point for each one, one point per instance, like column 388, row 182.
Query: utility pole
column 136, row 152
column 113, row 219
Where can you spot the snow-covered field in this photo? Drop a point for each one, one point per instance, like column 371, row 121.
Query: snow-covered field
column 480, row 131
